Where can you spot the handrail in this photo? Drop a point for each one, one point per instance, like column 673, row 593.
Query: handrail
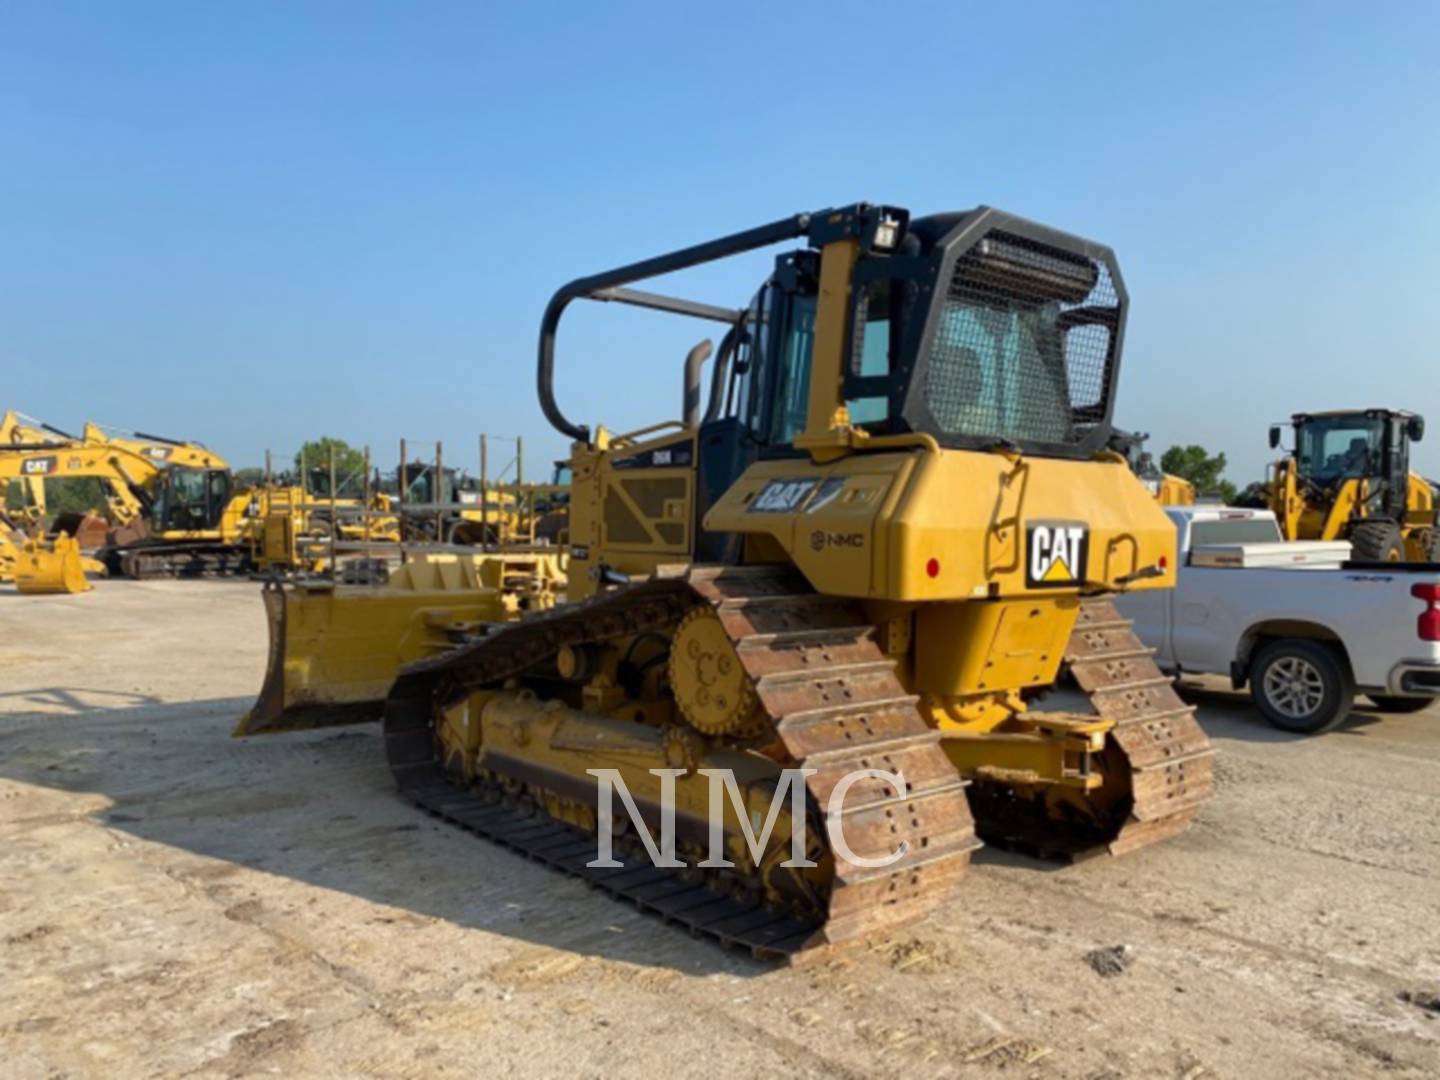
column 620, row 442
column 587, row 287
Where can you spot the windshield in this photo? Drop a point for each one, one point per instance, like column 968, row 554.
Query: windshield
column 1331, row 448
column 181, row 503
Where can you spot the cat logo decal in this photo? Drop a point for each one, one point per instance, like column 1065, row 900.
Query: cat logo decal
column 1056, row 553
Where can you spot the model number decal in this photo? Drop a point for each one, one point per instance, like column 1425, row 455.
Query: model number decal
column 666, row 457
column 782, row 496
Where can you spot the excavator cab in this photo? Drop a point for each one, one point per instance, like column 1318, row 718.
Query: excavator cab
column 189, row 500
column 1348, row 476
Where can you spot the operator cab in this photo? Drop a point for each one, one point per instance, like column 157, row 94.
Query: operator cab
column 417, row 482
column 346, row 487
column 978, row 330
column 1020, row 349
column 1374, row 444
column 191, row 500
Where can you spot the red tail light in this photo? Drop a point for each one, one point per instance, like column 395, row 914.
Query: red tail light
column 1428, row 626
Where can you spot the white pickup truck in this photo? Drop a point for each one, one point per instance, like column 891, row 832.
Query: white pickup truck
column 1304, row 627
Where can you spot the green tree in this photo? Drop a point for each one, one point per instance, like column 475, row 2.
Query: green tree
column 1196, row 464
column 63, row 495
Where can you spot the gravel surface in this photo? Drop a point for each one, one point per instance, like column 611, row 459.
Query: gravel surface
column 173, row 901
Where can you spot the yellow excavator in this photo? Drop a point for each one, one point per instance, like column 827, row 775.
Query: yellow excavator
column 36, row 559
column 851, row 579
column 1347, row 477
column 174, row 504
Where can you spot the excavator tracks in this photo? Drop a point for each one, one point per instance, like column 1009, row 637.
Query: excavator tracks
column 147, row 562
column 835, row 705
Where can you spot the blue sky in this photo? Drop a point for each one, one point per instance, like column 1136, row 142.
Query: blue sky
column 256, row 223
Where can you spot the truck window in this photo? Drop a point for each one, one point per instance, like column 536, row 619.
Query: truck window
column 1237, row 531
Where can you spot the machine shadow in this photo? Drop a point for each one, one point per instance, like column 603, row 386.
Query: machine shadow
column 77, row 699
column 1232, row 715
column 319, row 808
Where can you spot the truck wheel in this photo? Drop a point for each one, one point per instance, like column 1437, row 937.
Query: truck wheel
column 1377, row 541
column 1386, row 703
column 1301, row 686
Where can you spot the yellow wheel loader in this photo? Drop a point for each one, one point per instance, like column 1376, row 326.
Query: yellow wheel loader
column 1347, row 477
column 849, row 580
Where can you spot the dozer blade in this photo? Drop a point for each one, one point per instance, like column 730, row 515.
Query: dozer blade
column 51, row 566
column 335, row 649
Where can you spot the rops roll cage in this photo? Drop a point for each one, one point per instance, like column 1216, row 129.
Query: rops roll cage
column 821, row 227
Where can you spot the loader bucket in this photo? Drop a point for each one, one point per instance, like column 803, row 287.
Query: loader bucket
column 51, row 566
column 336, row 648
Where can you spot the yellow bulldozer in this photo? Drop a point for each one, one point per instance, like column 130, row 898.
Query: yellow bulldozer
column 1347, row 477
column 849, row 580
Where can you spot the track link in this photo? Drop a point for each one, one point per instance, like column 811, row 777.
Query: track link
column 150, row 561
column 1156, row 740
column 1169, row 754
column 834, row 702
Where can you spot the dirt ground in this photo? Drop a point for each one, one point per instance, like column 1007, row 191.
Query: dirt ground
column 173, row 901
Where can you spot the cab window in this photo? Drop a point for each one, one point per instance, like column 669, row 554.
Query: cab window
column 1338, row 448
column 875, row 350
column 792, row 383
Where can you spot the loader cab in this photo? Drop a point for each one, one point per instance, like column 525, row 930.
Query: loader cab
column 317, row 480
column 416, row 481
column 191, row 500
column 1332, row 449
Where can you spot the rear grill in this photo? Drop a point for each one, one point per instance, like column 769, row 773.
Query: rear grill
column 1024, row 344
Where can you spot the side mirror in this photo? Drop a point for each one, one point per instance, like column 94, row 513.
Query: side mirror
column 1274, row 436
column 1415, row 428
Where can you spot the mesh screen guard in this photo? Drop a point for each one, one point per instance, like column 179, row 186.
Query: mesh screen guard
column 1022, row 346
